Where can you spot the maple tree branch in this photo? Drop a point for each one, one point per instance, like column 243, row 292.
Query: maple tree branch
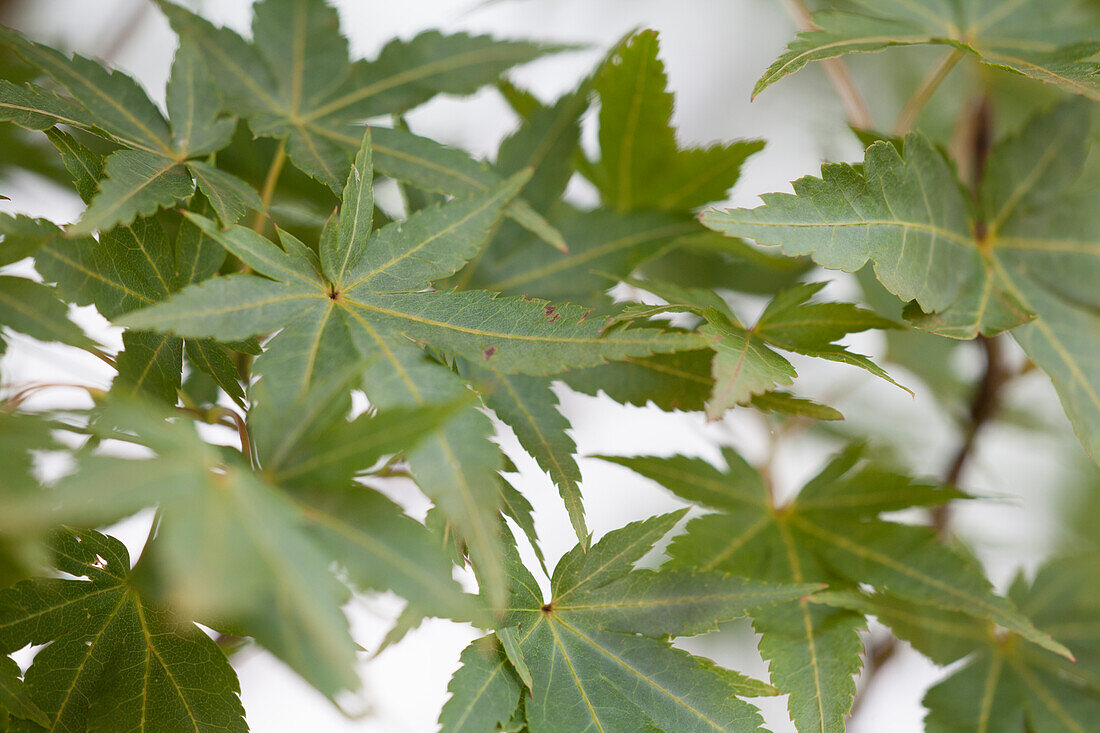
column 101, row 355
column 854, row 105
column 126, row 31
column 225, row 417
column 17, row 398
column 983, row 406
column 928, row 86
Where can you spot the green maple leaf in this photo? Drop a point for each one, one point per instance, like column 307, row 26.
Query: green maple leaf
column 229, row 548
column 1003, row 684
column 305, row 445
column 1027, row 260
column 828, row 533
column 745, row 366
column 157, row 167
column 1049, row 40
column 372, row 308
column 35, row 310
column 112, row 660
column 597, row 652
column 128, row 267
column 514, row 334
column 435, row 168
column 641, row 165
column 20, row 436
column 295, row 81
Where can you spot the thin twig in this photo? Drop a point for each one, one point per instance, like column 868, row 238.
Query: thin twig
column 268, row 192
column 218, row 415
column 126, row 31
column 983, row 407
column 13, row 401
column 242, row 429
column 101, row 355
column 928, row 86
column 854, row 105
column 976, row 144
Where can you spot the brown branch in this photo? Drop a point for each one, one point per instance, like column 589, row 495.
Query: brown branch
column 983, row 406
column 218, row 415
column 126, row 31
column 101, row 355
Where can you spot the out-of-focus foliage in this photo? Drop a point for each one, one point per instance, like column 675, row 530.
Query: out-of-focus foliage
column 234, row 237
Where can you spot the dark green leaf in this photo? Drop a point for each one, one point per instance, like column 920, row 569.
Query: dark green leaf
column 113, row 660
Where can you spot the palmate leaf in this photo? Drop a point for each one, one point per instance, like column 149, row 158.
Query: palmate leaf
column 745, row 365
column 514, row 334
column 127, row 268
column 1028, row 261
column 829, row 533
column 641, row 167
column 1048, row 40
column 149, row 174
column 1005, row 685
column 436, row 168
column 1023, row 684
column 380, row 300
column 597, row 652
column 294, row 80
column 113, row 661
column 229, row 548
column 305, row 445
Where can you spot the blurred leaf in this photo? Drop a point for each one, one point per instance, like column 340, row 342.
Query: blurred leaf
column 113, row 660
column 1048, row 40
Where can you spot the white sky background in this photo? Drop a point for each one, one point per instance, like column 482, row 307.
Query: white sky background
column 714, row 50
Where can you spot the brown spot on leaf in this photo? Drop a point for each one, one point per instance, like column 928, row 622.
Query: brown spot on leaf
column 552, row 313
column 488, row 353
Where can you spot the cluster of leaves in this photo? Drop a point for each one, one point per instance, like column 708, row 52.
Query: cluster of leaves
column 482, row 291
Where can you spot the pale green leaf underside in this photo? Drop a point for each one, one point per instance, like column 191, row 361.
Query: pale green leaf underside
column 1030, row 264
column 1042, row 39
